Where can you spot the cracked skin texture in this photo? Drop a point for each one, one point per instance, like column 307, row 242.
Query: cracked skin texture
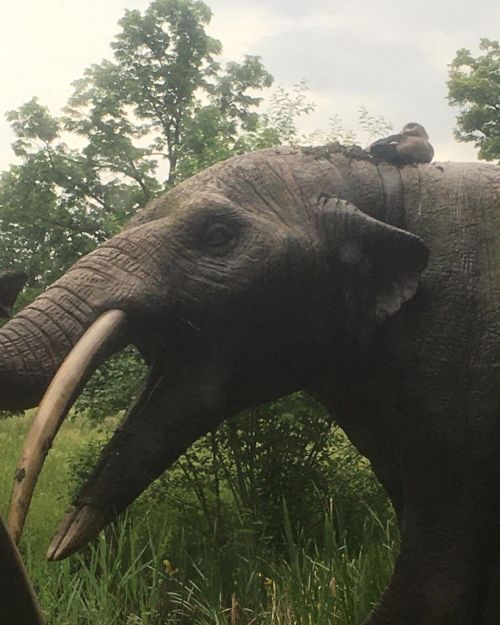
column 419, row 396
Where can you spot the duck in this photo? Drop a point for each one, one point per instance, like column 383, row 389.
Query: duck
column 410, row 146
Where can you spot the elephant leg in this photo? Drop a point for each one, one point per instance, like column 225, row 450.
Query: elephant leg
column 490, row 614
column 437, row 579
column 390, row 478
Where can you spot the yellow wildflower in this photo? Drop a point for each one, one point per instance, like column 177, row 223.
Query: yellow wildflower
column 169, row 568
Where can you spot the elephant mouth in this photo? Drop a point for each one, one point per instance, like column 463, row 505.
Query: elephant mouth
column 178, row 404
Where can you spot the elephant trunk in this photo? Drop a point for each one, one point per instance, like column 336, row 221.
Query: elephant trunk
column 63, row 336
column 34, row 344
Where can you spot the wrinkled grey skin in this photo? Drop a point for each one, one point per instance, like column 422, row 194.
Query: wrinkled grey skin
column 251, row 280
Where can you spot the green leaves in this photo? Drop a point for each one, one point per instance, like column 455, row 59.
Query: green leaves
column 221, row 121
column 474, row 86
column 165, row 99
column 163, row 56
column 55, row 206
column 32, row 121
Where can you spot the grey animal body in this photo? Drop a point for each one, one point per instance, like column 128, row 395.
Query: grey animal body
column 373, row 286
column 410, row 146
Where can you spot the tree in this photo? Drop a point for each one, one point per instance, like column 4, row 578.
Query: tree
column 280, row 124
column 166, row 92
column 474, row 86
column 163, row 97
column 54, row 205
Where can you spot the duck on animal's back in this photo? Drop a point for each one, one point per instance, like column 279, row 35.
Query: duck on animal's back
column 410, row 146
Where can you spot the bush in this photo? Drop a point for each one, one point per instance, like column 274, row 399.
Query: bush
column 287, row 454
column 273, row 518
column 113, row 386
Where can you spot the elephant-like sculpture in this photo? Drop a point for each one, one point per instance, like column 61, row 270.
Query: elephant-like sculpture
column 287, row 269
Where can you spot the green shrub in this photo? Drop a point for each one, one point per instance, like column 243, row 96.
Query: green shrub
column 238, row 479
column 113, row 386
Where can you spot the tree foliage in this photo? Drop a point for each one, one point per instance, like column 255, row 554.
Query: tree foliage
column 165, row 91
column 164, row 102
column 279, row 125
column 474, row 86
column 54, row 207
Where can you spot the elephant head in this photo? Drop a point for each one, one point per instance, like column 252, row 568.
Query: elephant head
column 237, row 287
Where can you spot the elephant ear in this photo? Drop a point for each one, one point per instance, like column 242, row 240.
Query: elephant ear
column 11, row 283
column 377, row 265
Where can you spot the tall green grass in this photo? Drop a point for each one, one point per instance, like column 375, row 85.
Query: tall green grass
column 146, row 575
column 161, row 566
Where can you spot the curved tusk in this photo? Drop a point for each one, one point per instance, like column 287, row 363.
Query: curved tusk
column 103, row 338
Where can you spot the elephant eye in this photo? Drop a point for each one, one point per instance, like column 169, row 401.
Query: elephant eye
column 218, row 236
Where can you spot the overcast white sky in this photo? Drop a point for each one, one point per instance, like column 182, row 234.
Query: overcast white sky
column 388, row 55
